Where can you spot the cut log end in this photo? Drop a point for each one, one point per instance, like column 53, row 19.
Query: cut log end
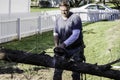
column 2, row 55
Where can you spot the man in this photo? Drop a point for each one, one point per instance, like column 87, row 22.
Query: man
column 68, row 35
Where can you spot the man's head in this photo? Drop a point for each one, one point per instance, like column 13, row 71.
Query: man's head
column 64, row 7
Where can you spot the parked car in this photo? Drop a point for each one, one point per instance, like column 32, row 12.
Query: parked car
column 97, row 11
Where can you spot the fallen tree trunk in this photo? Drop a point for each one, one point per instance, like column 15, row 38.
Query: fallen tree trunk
column 48, row 61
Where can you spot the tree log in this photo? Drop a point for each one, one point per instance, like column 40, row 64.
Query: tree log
column 43, row 59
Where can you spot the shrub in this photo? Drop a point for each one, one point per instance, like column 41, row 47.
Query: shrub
column 44, row 4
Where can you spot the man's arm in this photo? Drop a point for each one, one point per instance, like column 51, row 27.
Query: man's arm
column 73, row 37
column 56, row 39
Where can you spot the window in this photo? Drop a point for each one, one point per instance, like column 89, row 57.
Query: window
column 93, row 7
column 100, row 7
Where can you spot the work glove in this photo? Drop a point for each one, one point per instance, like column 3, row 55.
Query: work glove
column 60, row 51
column 62, row 45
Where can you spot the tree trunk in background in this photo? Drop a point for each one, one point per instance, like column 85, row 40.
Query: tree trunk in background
column 43, row 59
column 103, row 1
column 75, row 3
column 116, row 3
column 88, row 1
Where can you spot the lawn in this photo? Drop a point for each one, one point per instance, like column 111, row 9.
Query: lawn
column 35, row 44
column 102, row 40
column 38, row 9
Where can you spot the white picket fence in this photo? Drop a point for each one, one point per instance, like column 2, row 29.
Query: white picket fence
column 93, row 16
column 17, row 26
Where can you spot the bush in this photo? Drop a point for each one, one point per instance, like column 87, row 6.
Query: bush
column 44, row 4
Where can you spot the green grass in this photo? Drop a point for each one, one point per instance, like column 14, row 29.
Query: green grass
column 38, row 9
column 36, row 43
column 102, row 40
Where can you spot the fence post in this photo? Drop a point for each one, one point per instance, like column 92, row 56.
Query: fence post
column 0, row 29
column 89, row 16
column 39, row 25
column 9, row 7
column 19, row 29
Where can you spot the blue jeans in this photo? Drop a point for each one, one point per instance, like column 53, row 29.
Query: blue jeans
column 76, row 56
column 58, row 75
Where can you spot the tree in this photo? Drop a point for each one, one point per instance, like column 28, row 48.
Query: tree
column 88, row 1
column 48, row 61
column 34, row 2
column 77, row 3
column 44, row 3
column 100, row 0
column 103, row 1
column 116, row 3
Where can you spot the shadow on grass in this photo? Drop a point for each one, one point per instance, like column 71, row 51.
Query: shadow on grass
column 39, row 68
column 10, row 70
column 89, row 32
column 86, row 23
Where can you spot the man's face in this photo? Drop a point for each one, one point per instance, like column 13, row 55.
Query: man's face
column 64, row 11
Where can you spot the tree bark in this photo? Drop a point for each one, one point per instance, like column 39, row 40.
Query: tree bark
column 43, row 59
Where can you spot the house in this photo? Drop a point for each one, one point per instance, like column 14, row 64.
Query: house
column 14, row 6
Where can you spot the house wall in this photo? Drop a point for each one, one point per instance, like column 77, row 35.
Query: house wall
column 14, row 6
column 4, row 6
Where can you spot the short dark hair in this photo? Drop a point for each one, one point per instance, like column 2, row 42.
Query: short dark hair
column 64, row 3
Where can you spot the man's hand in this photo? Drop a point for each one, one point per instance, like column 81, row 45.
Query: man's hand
column 60, row 51
column 62, row 45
